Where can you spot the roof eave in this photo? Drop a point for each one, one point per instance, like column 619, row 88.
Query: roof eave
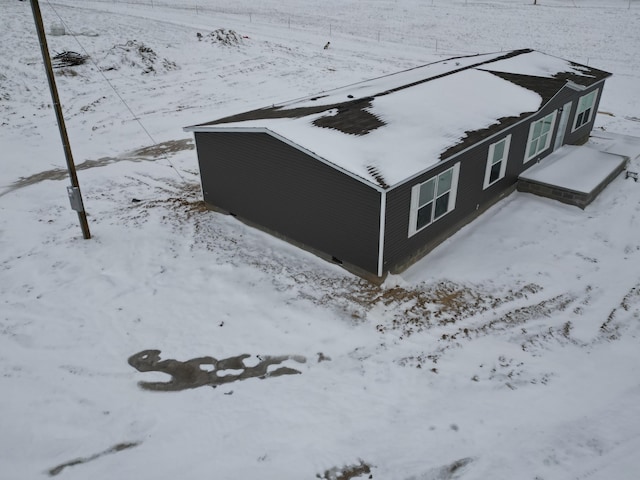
column 219, row 129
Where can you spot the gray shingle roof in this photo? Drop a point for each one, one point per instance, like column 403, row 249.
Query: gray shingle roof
column 366, row 109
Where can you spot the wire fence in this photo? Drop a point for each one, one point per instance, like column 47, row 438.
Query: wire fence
column 248, row 8
column 309, row 17
column 187, row 4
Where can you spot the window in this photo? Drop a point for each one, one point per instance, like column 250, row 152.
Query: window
column 540, row 134
column 497, row 161
column 585, row 109
column 433, row 199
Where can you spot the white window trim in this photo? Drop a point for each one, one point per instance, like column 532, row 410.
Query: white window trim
column 503, row 165
column 578, row 111
column 415, row 199
column 549, row 138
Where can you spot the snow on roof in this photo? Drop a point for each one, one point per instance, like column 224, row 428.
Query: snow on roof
column 391, row 128
column 393, row 81
column 537, row 64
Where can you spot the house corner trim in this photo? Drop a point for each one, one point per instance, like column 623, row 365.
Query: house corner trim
column 383, row 216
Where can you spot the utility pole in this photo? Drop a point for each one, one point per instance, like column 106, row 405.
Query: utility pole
column 75, row 197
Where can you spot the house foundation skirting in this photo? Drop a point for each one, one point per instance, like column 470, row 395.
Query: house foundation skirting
column 360, row 272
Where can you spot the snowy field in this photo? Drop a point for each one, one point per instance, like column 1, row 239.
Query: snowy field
column 510, row 352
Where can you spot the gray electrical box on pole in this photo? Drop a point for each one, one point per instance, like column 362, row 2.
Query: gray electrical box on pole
column 75, row 199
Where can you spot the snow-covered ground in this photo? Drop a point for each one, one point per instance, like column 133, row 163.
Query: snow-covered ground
column 510, row 352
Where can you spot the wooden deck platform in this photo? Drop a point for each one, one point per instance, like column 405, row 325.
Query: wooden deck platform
column 573, row 174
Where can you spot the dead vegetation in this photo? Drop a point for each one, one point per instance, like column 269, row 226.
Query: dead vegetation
column 448, row 472
column 446, row 303
column 510, row 373
column 610, row 329
column 347, row 472
column 135, row 54
column 68, row 59
column 4, row 95
column 222, row 36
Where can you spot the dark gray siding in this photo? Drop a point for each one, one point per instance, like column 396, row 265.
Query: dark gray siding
column 401, row 250
column 278, row 187
column 581, row 135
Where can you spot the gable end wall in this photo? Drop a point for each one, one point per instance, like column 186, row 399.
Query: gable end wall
column 277, row 187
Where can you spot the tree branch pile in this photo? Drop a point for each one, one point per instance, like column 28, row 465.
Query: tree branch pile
column 68, row 59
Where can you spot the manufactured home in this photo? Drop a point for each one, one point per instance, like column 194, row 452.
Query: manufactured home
column 376, row 174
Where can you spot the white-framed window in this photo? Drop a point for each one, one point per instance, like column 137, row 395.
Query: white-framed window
column 584, row 113
column 433, row 199
column 497, row 161
column 540, row 134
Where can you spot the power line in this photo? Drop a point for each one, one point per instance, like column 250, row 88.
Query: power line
column 133, row 115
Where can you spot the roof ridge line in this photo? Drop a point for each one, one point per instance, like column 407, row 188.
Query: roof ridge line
column 510, row 54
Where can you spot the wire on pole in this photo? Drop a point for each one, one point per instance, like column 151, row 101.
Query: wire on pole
column 115, row 91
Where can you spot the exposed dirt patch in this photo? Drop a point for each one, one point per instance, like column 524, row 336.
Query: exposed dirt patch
column 448, row 472
column 510, row 373
column 144, row 154
column 202, row 371
column 348, row 472
column 611, row 328
column 453, row 313
column 435, row 307
column 4, row 95
column 185, row 198
column 161, row 149
column 78, row 461
column 441, row 303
